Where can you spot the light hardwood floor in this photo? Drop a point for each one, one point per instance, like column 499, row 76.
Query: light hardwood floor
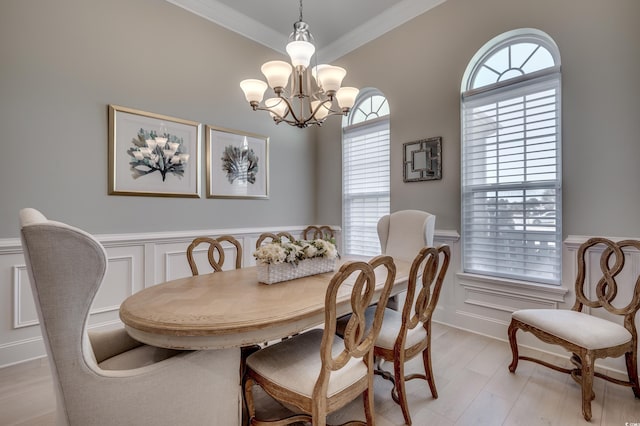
column 474, row 386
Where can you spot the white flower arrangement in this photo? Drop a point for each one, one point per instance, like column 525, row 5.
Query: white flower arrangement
column 293, row 252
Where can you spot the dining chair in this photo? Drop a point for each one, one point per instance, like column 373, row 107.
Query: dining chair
column 215, row 250
column 407, row 334
column 271, row 237
column 588, row 330
column 402, row 234
column 313, row 232
column 108, row 378
column 317, row 372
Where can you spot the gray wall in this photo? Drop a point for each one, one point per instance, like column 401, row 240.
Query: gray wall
column 62, row 62
column 420, row 65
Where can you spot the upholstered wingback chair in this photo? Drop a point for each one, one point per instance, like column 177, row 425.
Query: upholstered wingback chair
column 404, row 233
column 108, row 378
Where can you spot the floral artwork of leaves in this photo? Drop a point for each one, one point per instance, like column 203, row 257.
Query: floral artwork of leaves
column 151, row 153
column 240, row 163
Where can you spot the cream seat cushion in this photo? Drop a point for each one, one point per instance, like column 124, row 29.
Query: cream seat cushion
column 391, row 328
column 295, row 364
column 392, row 321
column 578, row 328
column 140, row 356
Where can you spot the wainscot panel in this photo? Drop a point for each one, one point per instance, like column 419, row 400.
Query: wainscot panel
column 135, row 261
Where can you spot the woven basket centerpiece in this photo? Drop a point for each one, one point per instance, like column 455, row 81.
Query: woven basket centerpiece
column 278, row 261
column 269, row 274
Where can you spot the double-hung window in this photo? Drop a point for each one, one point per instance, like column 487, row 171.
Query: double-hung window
column 511, row 159
column 365, row 178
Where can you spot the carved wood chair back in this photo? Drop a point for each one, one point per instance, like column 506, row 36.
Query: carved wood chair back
column 271, row 237
column 215, row 253
column 313, row 232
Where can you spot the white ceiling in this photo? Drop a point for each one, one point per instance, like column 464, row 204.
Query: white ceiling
column 338, row 26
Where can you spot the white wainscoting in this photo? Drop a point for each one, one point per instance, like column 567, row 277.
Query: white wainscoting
column 137, row 261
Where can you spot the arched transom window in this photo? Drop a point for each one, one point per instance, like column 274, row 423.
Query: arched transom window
column 368, row 108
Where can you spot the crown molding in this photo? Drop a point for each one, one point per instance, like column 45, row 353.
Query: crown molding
column 393, row 17
column 235, row 21
column 252, row 29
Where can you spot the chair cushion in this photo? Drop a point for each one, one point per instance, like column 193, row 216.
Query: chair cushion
column 391, row 323
column 295, row 364
column 578, row 328
column 137, row 357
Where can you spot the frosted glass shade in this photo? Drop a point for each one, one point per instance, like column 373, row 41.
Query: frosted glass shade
column 329, row 77
column 253, row 89
column 323, row 111
column 277, row 106
column 277, row 73
column 346, row 96
column 300, row 53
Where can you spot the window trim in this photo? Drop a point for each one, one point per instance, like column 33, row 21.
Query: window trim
column 551, row 75
column 347, row 128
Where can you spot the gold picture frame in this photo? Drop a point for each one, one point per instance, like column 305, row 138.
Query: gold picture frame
column 237, row 164
column 153, row 154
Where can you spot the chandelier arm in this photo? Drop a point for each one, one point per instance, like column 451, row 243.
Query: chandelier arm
column 277, row 117
column 292, row 112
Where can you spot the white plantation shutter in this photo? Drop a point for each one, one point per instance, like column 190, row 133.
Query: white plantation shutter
column 365, row 184
column 511, row 180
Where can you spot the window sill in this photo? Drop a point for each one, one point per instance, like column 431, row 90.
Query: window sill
column 521, row 289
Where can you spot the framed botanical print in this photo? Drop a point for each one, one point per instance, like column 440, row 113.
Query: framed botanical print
column 237, row 164
column 152, row 154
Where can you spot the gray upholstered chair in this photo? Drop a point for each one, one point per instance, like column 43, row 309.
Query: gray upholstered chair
column 402, row 235
column 317, row 372
column 108, row 378
column 599, row 325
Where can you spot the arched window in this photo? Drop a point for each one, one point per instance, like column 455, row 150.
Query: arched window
column 365, row 172
column 511, row 159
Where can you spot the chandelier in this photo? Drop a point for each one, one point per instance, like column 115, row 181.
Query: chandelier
column 303, row 96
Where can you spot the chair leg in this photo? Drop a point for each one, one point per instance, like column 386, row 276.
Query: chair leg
column 587, row 383
column 367, row 398
column 248, row 400
column 632, row 371
column 514, row 346
column 398, row 368
column 319, row 412
column 428, row 371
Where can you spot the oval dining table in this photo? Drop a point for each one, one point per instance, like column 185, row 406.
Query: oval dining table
column 231, row 309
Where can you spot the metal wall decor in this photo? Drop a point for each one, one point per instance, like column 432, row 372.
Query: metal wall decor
column 422, row 160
